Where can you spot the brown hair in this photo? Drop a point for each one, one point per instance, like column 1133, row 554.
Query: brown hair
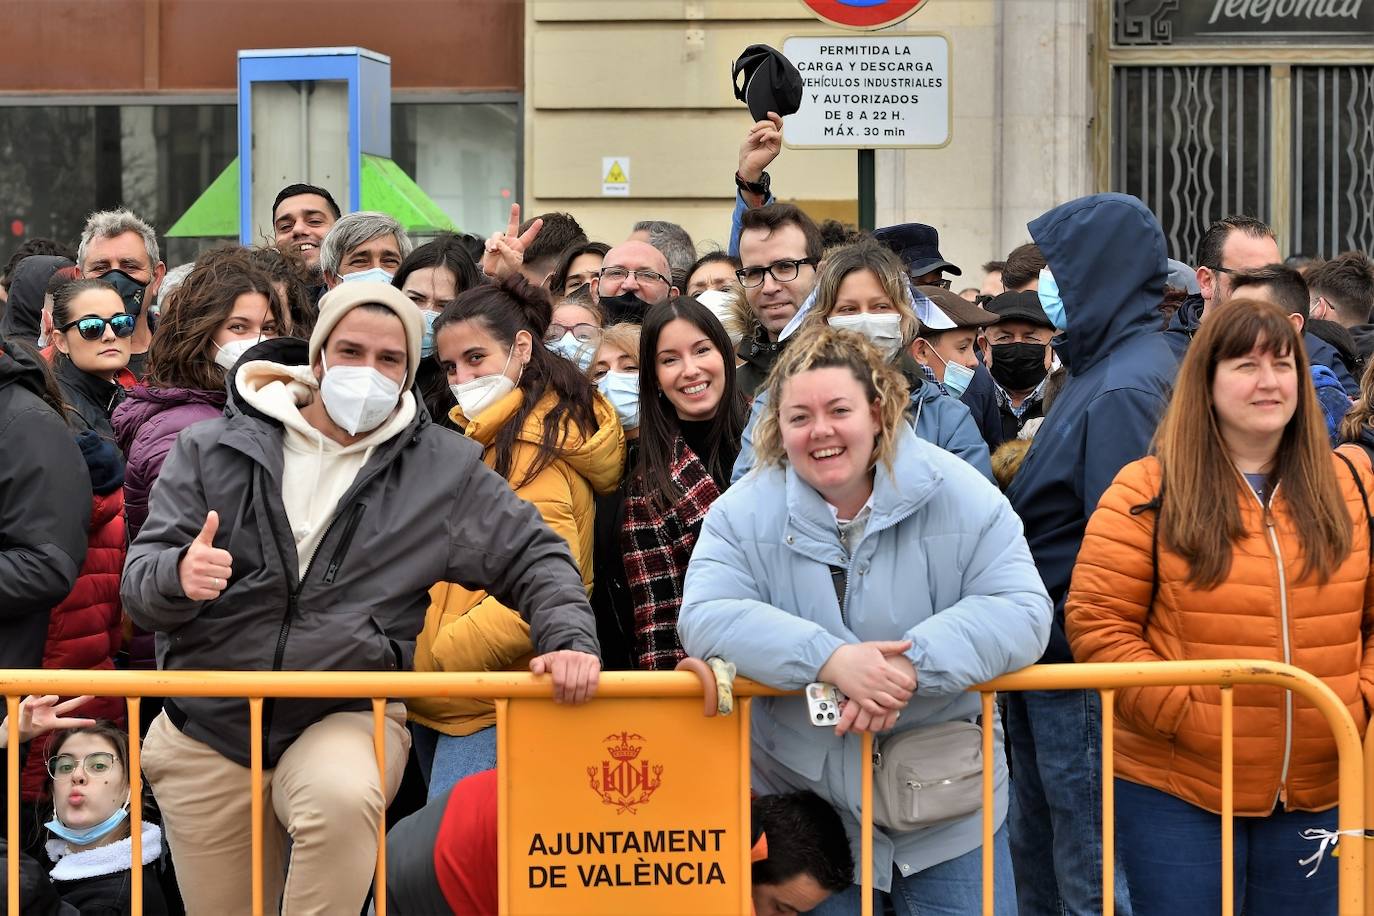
column 181, row 354
column 1360, row 417
column 624, row 337
column 825, row 348
column 873, row 256
column 1194, row 522
column 1022, row 266
column 773, row 217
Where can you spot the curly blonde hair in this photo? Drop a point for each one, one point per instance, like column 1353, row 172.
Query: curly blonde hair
column 825, row 347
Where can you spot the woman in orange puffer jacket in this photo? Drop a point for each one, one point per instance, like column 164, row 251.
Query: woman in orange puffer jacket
column 1242, row 537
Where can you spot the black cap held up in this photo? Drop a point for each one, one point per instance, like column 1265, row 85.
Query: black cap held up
column 771, row 82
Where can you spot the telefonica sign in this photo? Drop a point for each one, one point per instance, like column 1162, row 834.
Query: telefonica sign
column 1176, row 22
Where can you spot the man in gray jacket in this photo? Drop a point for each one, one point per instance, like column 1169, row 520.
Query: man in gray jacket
column 303, row 531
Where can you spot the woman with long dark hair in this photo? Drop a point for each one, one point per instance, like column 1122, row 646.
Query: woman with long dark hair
column 543, row 427
column 431, row 276
column 222, row 309
column 1242, row 536
column 691, row 415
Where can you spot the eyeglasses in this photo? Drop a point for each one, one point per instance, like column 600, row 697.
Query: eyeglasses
column 584, row 332
column 782, row 271
column 64, row 765
column 943, row 282
column 93, row 328
column 642, row 277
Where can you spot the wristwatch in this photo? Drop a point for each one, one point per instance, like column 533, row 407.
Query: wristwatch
column 759, row 187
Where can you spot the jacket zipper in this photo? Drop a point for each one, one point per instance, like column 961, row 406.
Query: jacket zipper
column 1287, row 644
column 355, row 515
column 947, row 781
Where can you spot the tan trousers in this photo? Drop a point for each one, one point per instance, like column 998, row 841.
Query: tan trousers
column 324, row 793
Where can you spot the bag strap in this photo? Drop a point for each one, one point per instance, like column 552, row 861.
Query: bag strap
column 1364, row 496
column 1156, row 504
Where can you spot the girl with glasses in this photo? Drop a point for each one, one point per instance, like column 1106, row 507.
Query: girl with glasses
column 92, row 333
column 91, row 850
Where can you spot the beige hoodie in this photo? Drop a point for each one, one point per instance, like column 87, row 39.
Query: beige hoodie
column 316, row 470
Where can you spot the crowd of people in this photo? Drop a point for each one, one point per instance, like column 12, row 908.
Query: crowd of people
column 803, row 453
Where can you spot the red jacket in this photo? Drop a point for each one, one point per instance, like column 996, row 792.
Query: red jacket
column 84, row 630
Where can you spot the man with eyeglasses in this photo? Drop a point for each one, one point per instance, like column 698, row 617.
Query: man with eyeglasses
column 780, row 251
column 633, row 276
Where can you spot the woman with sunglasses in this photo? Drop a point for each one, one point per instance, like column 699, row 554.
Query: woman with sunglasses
column 223, row 308
column 91, row 849
column 92, row 341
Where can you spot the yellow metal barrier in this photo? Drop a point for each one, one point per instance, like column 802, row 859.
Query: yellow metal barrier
column 1354, row 764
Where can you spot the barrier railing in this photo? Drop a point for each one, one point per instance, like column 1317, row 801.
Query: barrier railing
column 1354, row 763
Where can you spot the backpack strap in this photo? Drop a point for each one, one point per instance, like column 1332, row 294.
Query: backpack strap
column 1364, row 495
column 1157, row 505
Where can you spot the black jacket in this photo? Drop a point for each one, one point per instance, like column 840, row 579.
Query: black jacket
column 759, row 353
column 423, row 509
column 94, row 399
column 45, row 508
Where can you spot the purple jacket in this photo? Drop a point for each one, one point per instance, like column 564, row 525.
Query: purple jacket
column 146, row 425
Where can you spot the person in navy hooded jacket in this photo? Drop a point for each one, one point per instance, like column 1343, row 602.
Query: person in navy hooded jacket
column 1102, row 288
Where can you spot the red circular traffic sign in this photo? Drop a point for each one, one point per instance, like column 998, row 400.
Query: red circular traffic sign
column 863, row 14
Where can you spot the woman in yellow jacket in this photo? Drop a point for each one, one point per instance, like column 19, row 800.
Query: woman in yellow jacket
column 542, row 426
column 1241, row 537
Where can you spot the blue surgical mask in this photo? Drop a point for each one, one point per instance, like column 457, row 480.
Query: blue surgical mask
column 427, row 341
column 91, row 834
column 622, row 390
column 578, row 352
column 375, row 274
column 1050, row 300
column 957, row 377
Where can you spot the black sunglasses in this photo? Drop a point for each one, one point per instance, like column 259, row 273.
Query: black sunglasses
column 93, row 328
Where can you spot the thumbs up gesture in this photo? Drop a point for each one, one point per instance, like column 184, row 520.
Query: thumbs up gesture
column 205, row 569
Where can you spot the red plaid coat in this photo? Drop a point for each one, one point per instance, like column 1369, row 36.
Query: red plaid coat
column 657, row 546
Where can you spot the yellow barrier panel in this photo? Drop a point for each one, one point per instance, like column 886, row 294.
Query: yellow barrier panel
column 505, row 687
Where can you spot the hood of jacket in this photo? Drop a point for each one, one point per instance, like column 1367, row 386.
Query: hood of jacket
column 20, row 366
column 144, row 403
column 24, row 309
column 1107, row 254
column 1364, row 340
column 599, row 457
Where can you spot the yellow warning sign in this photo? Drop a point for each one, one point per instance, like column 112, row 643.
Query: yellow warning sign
column 615, row 176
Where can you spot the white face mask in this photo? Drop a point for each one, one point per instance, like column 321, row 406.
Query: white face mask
column 622, row 390
column 357, row 398
column 718, row 301
column 375, row 274
column 227, row 356
column 884, row 331
column 476, row 395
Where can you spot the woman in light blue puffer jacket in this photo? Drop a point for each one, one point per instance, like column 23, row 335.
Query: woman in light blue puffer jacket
column 939, row 594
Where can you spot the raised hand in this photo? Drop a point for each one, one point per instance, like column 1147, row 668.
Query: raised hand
column 39, row 715
column 505, row 251
column 205, row 570
column 760, row 147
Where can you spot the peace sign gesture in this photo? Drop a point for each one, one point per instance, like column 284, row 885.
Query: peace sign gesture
column 505, row 251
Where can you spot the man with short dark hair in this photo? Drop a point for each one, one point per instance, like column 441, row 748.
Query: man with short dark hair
column 1342, row 290
column 1021, row 271
column 780, row 252
column 302, row 216
column 558, row 232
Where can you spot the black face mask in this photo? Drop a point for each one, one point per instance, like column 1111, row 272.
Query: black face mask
column 1018, row 366
column 129, row 289
column 625, row 307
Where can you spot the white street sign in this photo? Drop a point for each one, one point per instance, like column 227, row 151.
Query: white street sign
column 870, row 91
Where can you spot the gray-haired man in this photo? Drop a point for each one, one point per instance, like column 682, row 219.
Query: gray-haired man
column 119, row 247
column 363, row 245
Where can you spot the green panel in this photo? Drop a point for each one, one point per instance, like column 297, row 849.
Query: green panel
column 215, row 214
column 388, row 189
